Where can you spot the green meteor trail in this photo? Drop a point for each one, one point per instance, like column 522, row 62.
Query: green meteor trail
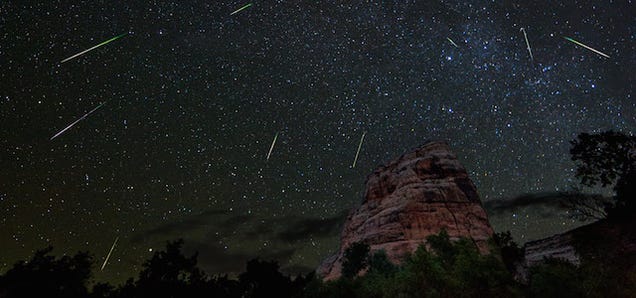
column 589, row 48
column 244, row 7
column 95, row 47
column 451, row 41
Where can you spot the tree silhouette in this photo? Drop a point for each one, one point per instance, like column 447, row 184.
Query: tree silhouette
column 355, row 259
column 438, row 268
column 168, row 274
column 379, row 263
column 263, row 279
column 103, row 290
column 608, row 158
column 511, row 253
column 171, row 266
column 45, row 276
column 587, row 206
column 442, row 246
column 222, row 286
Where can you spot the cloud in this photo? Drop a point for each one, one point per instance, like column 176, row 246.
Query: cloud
column 169, row 230
column 552, row 200
column 237, row 220
column 312, row 227
column 226, row 241
column 215, row 259
column 259, row 230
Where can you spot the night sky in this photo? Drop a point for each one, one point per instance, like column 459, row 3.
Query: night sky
column 192, row 98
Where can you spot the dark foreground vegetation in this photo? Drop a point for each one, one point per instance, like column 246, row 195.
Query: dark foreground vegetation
column 445, row 269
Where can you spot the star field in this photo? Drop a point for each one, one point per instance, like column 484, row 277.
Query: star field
column 194, row 96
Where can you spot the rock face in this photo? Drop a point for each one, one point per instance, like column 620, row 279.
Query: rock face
column 414, row 196
column 613, row 241
column 559, row 246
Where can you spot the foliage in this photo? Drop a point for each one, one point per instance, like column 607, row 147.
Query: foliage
column 605, row 157
column 167, row 273
column 45, row 276
column 379, row 263
column 555, row 278
column 592, row 278
column 355, row 259
column 457, row 269
column 263, row 279
column 449, row 269
column 511, row 253
column 586, row 207
column 608, row 158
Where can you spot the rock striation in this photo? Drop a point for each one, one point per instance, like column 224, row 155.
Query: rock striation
column 559, row 246
column 611, row 240
column 414, row 196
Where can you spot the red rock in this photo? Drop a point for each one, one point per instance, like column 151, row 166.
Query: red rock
column 414, row 196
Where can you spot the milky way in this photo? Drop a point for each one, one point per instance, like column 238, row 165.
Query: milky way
column 196, row 94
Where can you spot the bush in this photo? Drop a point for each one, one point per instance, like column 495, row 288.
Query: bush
column 449, row 269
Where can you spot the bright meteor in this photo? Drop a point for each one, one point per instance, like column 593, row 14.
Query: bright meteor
column 78, row 120
column 589, row 48
column 527, row 43
column 272, row 147
column 95, row 47
column 358, row 153
column 244, row 7
column 108, row 256
column 451, row 41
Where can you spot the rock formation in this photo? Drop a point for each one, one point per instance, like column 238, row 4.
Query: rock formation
column 613, row 241
column 414, row 196
column 559, row 246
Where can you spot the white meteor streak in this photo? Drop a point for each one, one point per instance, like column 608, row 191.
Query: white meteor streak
column 452, row 42
column 358, row 153
column 244, row 7
column 95, row 47
column 527, row 43
column 78, row 120
column 272, row 147
column 589, row 48
column 111, row 251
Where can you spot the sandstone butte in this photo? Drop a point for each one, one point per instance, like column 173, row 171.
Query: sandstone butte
column 414, row 196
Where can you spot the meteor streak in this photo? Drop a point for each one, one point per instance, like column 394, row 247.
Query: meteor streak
column 272, row 147
column 527, row 43
column 95, row 47
column 589, row 48
column 358, row 153
column 78, row 120
column 108, row 256
column 244, row 7
column 451, row 41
